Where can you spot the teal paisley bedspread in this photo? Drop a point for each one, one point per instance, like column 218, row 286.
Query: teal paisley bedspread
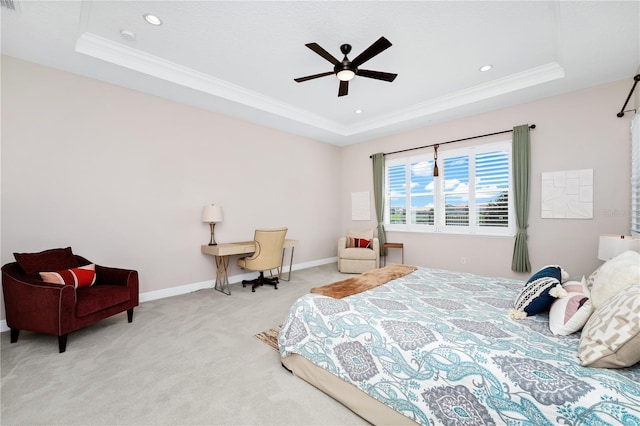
column 440, row 348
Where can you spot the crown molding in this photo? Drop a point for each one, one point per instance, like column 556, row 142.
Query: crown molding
column 124, row 56
column 511, row 83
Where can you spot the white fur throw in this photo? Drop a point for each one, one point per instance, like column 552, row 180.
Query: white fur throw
column 614, row 276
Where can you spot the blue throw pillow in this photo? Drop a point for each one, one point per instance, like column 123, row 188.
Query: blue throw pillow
column 539, row 292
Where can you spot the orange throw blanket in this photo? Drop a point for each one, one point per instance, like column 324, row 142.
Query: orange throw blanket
column 364, row 282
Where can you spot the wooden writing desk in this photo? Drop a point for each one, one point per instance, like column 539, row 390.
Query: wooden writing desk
column 222, row 253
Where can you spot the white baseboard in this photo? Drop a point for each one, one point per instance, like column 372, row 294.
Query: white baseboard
column 189, row 288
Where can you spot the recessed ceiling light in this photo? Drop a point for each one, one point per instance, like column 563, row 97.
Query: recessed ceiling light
column 486, row 68
column 358, row 111
column 152, row 19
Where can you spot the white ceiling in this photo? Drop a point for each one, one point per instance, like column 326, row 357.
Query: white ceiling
column 239, row 58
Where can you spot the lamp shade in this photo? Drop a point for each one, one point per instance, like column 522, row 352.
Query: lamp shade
column 212, row 214
column 612, row 245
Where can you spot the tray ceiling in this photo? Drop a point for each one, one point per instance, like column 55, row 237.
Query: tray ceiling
column 240, row 58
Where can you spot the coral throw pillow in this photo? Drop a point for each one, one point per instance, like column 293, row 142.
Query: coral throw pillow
column 358, row 242
column 84, row 276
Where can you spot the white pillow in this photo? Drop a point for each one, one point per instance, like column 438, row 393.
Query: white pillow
column 615, row 275
column 570, row 313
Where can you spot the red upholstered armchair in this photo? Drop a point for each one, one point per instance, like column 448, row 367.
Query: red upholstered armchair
column 43, row 307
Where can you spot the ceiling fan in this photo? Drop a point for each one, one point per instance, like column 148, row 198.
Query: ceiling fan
column 345, row 70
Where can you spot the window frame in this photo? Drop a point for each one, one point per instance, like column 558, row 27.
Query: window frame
column 439, row 224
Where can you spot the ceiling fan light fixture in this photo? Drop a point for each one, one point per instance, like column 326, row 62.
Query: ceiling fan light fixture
column 345, row 75
column 346, row 70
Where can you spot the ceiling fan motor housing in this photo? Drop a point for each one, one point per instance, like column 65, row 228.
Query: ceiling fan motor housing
column 345, row 65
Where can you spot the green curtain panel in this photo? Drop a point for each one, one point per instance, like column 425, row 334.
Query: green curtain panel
column 521, row 177
column 378, row 195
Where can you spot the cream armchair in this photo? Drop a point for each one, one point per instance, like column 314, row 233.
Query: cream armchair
column 356, row 260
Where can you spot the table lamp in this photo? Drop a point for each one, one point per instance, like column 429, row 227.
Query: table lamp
column 612, row 245
column 212, row 214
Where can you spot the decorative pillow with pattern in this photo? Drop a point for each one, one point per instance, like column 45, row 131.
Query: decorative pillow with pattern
column 611, row 337
column 539, row 292
column 358, row 243
column 592, row 278
column 570, row 313
column 84, row 276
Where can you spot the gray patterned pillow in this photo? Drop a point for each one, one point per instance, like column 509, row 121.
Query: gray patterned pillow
column 611, row 337
column 592, row 278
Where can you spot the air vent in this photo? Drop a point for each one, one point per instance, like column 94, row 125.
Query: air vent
column 9, row 4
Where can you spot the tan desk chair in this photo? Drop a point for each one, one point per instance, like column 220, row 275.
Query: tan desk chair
column 268, row 256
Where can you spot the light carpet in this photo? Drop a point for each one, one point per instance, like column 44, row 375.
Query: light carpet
column 185, row 360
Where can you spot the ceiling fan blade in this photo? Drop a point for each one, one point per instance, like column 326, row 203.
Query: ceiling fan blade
column 311, row 77
column 378, row 75
column 320, row 51
column 344, row 88
column 371, row 51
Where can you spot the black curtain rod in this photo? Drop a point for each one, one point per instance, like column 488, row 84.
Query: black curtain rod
column 533, row 126
column 636, row 79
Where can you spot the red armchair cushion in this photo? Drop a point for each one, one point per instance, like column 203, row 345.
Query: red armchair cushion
column 49, row 260
column 98, row 297
column 83, row 276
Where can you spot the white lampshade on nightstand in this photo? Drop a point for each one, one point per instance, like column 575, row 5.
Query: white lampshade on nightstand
column 612, row 245
column 212, row 214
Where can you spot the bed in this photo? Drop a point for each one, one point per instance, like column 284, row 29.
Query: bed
column 439, row 347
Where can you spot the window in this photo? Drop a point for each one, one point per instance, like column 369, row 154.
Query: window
column 472, row 195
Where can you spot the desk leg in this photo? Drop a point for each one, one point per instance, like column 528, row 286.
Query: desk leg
column 222, row 277
column 290, row 264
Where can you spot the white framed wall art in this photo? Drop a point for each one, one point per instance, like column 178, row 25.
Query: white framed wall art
column 567, row 194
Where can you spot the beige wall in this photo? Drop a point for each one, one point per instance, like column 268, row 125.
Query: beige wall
column 578, row 130
column 122, row 177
